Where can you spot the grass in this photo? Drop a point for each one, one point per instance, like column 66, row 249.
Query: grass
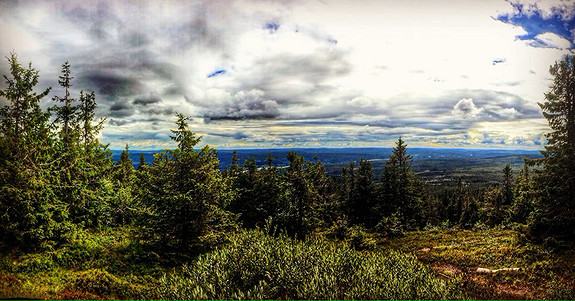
column 103, row 265
column 433, row 264
column 546, row 272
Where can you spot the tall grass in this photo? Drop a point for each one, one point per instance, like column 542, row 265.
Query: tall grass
column 260, row 266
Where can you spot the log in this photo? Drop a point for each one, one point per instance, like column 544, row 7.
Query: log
column 490, row 271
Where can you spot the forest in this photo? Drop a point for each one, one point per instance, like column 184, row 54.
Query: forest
column 74, row 224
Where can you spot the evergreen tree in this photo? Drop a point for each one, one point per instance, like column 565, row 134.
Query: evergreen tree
column 522, row 206
column 185, row 195
column 66, row 112
column 125, row 168
column 299, row 193
column 456, row 200
column 401, row 187
column 507, row 185
column 31, row 214
column 142, row 163
column 361, row 200
column 555, row 208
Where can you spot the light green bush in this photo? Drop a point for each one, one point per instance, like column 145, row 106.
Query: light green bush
column 258, row 266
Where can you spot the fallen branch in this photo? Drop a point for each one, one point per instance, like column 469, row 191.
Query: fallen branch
column 490, row 271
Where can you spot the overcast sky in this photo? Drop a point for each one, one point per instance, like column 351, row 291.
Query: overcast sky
column 302, row 73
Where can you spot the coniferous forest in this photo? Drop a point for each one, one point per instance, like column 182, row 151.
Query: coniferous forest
column 74, row 224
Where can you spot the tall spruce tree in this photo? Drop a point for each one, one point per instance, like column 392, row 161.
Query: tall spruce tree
column 185, row 194
column 31, row 214
column 555, row 208
column 66, row 112
column 507, row 185
column 400, row 187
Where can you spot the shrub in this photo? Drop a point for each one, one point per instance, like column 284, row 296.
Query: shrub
column 98, row 283
column 258, row 266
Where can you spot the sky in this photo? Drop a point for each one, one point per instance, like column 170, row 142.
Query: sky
column 444, row 73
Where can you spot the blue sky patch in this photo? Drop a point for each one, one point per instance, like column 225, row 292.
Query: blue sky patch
column 498, row 61
column 217, row 72
column 272, row 26
column 532, row 20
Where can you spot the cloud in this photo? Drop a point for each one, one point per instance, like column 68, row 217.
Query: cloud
column 300, row 72
column 550, row 40
column 117, row 122
column 121, row 109
column 242, row 105
column 507, row 113
column 465, row 108
column 236, row 135
column 110, row 84
column 149, row 99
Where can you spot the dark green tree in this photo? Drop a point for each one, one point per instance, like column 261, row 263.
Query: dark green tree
column 142, row 163
column 401, row 188
column 522, row 206
column 360, row 205
column 555, row 206
column 299, row 194
column 31, row 214
column 507, row 185
column 185, row 195
column 66, row 113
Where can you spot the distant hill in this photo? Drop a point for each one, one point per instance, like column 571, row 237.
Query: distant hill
column 434, row 165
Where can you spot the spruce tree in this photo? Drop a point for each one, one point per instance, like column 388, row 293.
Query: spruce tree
column 507, row 185
column 142, row 163
column 555, row 208
column 185, row 195
column 66, row 112
column 31, row 214
column 401, row 192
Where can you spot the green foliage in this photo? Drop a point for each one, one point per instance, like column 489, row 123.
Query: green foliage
column 390, row 226
column 258, row 266
column 359, row 198
column 554, row 213
column 185, row 195
column 31, row 214
column 400, row 192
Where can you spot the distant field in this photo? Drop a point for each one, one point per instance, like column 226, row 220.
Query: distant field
column 433, row 165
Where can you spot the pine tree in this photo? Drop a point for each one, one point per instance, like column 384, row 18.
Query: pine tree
column 522, row 206
column 555, row 208
column 507, row 185
column 400, row 187
column 66, row 112
column 31, row 215
column 361, row 202
column 299, row 193
column 185, row 195
column 142, row 163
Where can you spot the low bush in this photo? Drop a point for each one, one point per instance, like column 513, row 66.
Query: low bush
column 259, row 266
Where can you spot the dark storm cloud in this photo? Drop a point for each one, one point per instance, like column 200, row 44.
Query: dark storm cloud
column 110, row 84
column 163, row 111
column 235, row 135
column 121, row 109
column 145, row 100
column 251, row 104
column 118, row 122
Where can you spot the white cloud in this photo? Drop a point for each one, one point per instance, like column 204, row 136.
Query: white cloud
column 465, row 108
column 550, row 40
column 508, row 113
